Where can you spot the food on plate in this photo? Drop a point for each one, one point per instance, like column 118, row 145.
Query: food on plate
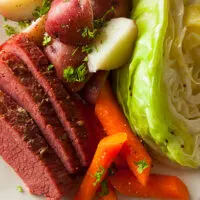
column 108, row 148
column 18, row 10
column 107, row 192
column 68, row 20
column 113, row 46
column 66, row 58
column 60, row 115
column 36, row 30
column 159, row 186
column 23, row 148
column 16, row 80
column 159, row 89
column 122, row 8
column 93, row 87
column 114, row 121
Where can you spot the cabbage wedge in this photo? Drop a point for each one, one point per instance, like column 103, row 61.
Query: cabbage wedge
column 159, row 90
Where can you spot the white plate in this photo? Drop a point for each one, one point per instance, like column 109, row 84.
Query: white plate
column 9, row 180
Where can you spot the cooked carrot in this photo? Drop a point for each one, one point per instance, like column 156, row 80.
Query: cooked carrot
column 114, row 121
column 106, row 152
column 111, row 194
column 158, row 186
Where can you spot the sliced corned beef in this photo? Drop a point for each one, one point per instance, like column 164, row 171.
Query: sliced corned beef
column 68, row 108
column 25, row 150
column 18, row 82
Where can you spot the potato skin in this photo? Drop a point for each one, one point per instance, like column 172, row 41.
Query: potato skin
column 18, row 10
column 62, row 56
column 122, row 8
column 66, row 21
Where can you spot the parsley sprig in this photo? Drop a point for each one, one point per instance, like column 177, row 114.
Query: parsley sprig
column 104, row 188
column 88, row 33
column 46, row 40
column 78, row 74
column 98, row 175
column 99, row 23
column 44, row 9
column 142, row 165
column 10, row 30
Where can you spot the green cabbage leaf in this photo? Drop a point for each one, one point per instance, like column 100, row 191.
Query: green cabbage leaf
column 159, row 90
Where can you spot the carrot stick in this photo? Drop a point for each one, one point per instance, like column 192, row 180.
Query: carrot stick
column 106, row 152
column 113, row 120
column 158, row 186
column 111, row 195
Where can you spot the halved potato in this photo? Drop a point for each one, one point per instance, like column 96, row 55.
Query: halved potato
column 17, row 10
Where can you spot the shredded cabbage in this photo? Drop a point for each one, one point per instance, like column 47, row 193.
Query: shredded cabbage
column 160, row 89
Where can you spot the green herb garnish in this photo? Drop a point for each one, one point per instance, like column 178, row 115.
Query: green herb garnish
column 98, row 175
column 98, row 23
column 104, row 188
column 10, row 30
column 24, row 24
column 75, row 74
column 85, row 59
column 75, row 50
column 87, row 33
column 46, row 39
column 142, row 165
column 87, row 49
column 20, row 189
column 50, row 67
column 44, row 9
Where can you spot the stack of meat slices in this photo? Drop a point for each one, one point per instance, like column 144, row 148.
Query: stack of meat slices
column 46, row 135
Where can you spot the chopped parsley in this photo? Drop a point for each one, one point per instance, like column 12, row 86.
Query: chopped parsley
column 98, row 23
column 10, row 30
column 104, row 188
column 85, row 59
column 87, row 49
column 50, row 67
column 46, row 39
column 98, row 175
column 20, row 189
column 142, row 165
column 24, row 24
column 87, row 33
column 44, row 9
column 78, row 74
column 75, row 50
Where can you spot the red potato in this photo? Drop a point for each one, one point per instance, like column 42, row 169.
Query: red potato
column 67, row 19
column 62, row 56
column 122, row 8
column 93, row 87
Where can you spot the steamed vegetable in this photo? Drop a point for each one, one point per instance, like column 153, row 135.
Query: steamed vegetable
column 71, row 21
column 107, row 150
column 114, row 121
column 121, row 8
column 160, row 89
column 107, row 192
column 159, row 186
column 18, row 10
column 113, row 46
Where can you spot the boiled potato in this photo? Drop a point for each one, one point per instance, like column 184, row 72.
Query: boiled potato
column 114, row 45
column 17, row 10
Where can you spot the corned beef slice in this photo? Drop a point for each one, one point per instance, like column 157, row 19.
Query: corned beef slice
column 18, row 82
column 68, row 108
column 23, row 148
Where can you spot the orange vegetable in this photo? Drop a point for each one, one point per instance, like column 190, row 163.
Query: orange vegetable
column 114, row 121
column 106, row 152
column 159, row 186
column 110, row 196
